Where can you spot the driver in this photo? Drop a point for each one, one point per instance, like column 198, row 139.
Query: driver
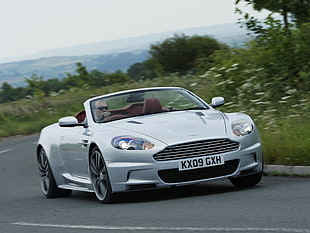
column 100, row 111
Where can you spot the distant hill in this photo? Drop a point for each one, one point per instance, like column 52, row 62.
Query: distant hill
column 57, row 67
column 104, row 56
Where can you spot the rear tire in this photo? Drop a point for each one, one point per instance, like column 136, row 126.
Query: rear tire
column 48, row 183
column 246, row 181
column 99, row 177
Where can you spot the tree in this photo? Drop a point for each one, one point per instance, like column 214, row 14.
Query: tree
column 7, row 93
column 79, row 79
column 274, row 66
column 97, row 78
column 117, row 77
column 53, row 85
column 35, row 84
column 179, row 53
column 298, row 9
column 140, row 71
column 82, row 73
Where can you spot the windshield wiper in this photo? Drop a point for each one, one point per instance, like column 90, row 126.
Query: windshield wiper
column 186, row 109
column 196, row 108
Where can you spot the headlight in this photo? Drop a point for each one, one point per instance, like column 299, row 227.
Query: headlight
column 131, row 143
column 242, row 127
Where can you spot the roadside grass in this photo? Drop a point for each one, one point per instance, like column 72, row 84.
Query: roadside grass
column 275, row 173
column 284, row 129
column 289, row 144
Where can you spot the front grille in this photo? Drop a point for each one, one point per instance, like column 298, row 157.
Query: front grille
column 196, row 149
column 176, row 176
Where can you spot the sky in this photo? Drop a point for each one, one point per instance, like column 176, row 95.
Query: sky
column 31, row 26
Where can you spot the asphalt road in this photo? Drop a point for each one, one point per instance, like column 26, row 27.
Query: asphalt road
column 277, row 204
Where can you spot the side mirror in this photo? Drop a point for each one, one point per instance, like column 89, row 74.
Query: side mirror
column 217, row 101
column 69, row 121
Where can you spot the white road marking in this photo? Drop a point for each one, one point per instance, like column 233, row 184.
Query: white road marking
column 186, row 229
column 4, row 151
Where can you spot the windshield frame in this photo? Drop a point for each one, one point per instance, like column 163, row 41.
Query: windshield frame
column 120, row 103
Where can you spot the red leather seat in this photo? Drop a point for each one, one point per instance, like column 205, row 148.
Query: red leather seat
column 152, row 105
column 80, row 116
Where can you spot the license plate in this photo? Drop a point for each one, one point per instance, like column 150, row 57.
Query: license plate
column 200, row 162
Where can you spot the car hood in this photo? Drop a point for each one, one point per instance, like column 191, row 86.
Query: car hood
column 176, row 127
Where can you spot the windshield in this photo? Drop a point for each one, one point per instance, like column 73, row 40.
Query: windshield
column 144, row 102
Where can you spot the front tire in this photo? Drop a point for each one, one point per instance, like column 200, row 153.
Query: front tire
column 99, row 176
column 47, row 180
column 246, row 181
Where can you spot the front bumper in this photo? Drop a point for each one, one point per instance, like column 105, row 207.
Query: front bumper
column 149, row 174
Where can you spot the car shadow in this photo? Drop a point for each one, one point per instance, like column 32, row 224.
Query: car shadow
column 173, row 193
column 163, row 194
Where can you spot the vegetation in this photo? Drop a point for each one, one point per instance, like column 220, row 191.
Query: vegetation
column 179, row 54
column 268, row 78
column 296, row 10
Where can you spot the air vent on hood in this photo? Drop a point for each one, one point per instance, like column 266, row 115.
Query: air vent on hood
column 199, row 113
column 135, row 122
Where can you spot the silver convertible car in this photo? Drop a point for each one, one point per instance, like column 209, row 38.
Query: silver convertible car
column 144, row 139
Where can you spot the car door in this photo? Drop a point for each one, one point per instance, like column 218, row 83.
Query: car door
column 74, row 150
